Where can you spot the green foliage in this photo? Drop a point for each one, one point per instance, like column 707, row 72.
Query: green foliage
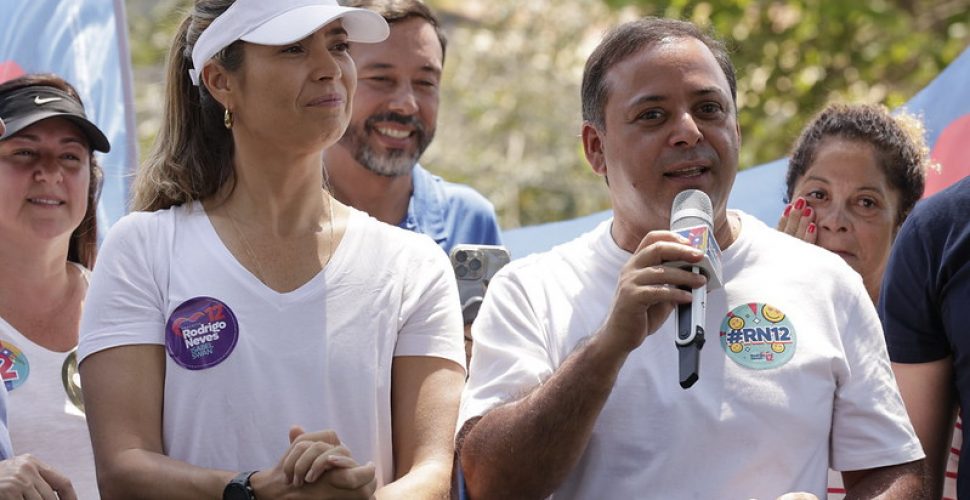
column 509, row 119
column 510, row 106
column 150, row 29
column 151, row 26
column 794, row 57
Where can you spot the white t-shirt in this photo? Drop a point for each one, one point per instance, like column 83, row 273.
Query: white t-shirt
column 6, row 449
column 784, row 392
column 319, row 356
column 42, row 417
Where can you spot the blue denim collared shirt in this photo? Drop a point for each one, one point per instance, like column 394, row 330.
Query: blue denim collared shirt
column 450, row 213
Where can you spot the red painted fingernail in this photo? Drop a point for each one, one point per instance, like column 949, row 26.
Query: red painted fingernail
column 799, row 204
column 807, row 212
column 787, row 209
column 811, row 228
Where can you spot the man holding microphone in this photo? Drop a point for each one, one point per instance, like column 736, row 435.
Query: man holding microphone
column 575, row 387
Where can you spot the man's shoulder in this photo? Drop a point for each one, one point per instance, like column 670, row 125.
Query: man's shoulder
column 452, row 192
column 451, row 213
column 946, row 209
column 937, row 225
column 576, row 257
column 455, row 194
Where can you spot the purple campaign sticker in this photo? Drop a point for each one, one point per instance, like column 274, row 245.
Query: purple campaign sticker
column 201, row 333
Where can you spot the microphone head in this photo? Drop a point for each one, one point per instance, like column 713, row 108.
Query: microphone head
column 691, row 208
column 692, row 217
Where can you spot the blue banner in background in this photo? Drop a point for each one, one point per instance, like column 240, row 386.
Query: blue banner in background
column 86, row 43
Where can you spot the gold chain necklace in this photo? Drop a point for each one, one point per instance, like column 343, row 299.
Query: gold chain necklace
column 252, row 255
column 260, row 275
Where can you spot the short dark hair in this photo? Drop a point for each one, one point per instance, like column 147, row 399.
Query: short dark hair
column 897, row 141
column 399, row 10
column 83, row 246
column 627, row 39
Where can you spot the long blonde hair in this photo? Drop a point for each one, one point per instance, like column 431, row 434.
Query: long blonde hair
column 193, row 151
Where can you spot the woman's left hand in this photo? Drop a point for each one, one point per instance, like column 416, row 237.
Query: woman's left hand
column 798, row 220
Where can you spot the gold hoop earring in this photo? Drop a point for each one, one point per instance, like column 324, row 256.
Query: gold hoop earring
column 227, row 119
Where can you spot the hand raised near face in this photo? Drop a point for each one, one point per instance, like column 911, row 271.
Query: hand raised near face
column 648, row 291
column 798, row 220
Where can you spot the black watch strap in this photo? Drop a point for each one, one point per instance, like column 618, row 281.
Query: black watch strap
column 239, row 488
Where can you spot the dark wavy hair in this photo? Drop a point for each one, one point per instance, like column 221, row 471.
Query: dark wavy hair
column 898, row 142
column 83, row 247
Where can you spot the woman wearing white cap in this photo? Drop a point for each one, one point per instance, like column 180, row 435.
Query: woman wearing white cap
column 246, row 304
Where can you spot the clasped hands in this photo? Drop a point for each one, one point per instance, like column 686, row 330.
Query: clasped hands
column 316, row 465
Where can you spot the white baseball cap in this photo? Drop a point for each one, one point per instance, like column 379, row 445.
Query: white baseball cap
column 282, row 22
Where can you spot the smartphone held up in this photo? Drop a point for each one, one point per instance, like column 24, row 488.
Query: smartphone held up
column 474, row 266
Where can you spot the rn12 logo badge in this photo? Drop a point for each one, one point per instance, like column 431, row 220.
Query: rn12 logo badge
column 758, row 336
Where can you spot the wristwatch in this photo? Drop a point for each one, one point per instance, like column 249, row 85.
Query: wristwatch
column 239, row 488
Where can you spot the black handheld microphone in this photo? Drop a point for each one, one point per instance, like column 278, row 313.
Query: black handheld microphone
column 691, row 216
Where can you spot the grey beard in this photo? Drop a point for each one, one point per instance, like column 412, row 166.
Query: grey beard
column 393, row 164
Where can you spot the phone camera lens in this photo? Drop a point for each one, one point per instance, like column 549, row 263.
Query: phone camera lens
column 461, row 256
column 475, row 264
column 461, row 271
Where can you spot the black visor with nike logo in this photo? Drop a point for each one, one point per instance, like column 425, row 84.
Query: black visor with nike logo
column 26, row 106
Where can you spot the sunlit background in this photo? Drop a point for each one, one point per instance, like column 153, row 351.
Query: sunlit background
column 509, row 118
